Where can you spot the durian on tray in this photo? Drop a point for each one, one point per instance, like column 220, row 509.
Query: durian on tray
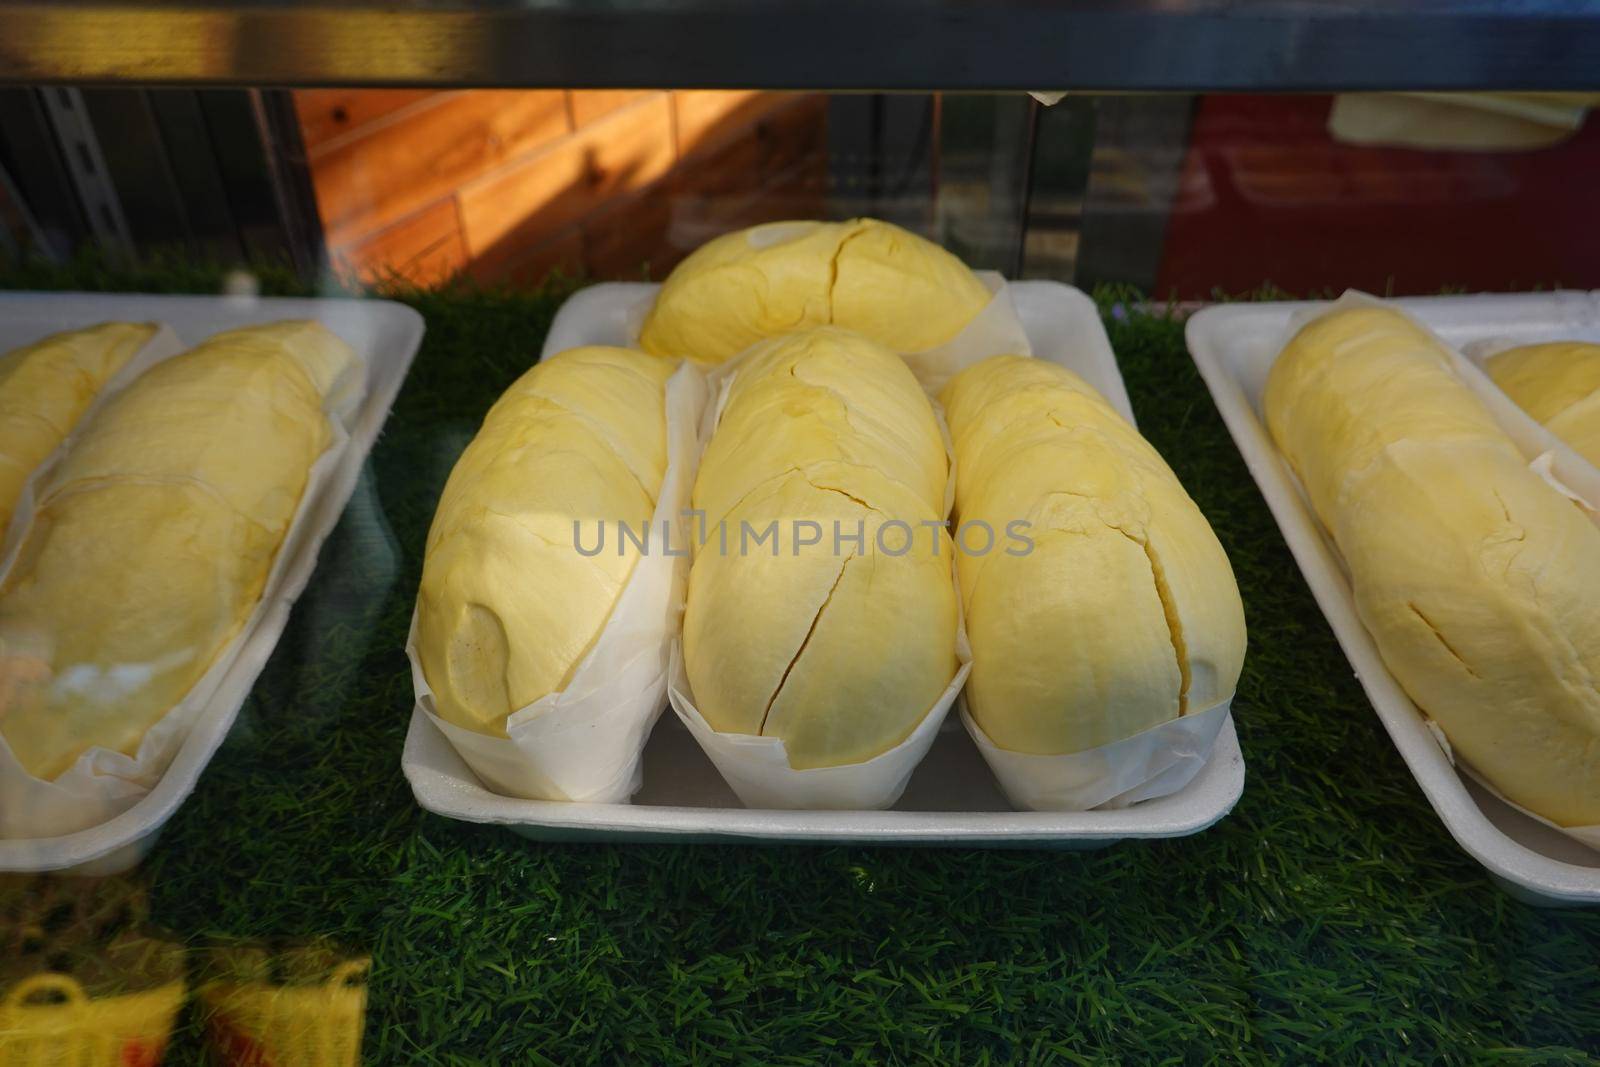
column 1446, row 522
column 152, row 556
column 816, row 667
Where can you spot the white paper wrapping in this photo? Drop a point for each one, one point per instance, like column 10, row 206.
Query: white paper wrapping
column 1589, row 835
column 1151, row 764
column 994, row 331
column 1563, row 469
column 1157, row 762
column 758, row 767
column 585, row 743
column 1154, row 764
column 103, row 783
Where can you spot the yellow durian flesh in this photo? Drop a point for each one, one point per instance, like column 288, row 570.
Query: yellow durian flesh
column 899, row 289
column 744, row 286
column 1335, row 412
column 45, row 388
column 1477, row 580
column 508, row 605
column 171, row 424
column 1124, row 612
column 154, row 537
column 853, row 368
column 826, row 394
column 1558, row 384
column 1579, row 427
column 838, row 648
column 1096, row 681
column 595, row 386
column 840, row 654
column 120, row 601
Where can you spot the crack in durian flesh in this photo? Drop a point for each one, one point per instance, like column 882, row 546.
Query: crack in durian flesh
column 1438, row 636
column 810, row 630
column 1169, row 611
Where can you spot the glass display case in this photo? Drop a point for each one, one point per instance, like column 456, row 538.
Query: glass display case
column 1262, row 727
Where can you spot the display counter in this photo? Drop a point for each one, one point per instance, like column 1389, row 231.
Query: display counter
column 1329, row 916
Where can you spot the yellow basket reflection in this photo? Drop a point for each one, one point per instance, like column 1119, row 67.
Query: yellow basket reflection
column 265, row 1024
column 48, row 1020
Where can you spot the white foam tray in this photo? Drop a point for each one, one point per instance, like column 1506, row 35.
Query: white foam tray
column 1234, row 347
column 386, row 335
column 952, row 798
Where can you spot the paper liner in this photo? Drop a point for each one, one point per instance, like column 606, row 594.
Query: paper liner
column 995, row 331
column 1154, row 763
column 1588, row 835
column 586, row 742
column 103, row 783
column 758, row 767
column 1151, row 764
column 1563, row 469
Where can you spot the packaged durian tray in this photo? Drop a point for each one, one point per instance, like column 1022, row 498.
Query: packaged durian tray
column 697, row 788
column 1552, row 860
column 98, row 809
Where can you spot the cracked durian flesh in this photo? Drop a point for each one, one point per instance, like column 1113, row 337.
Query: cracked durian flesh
column 46, row 387
column 823, row 395
column 837, row 645
column 1477, row 580
column 1559, row 385
column 508, row 605
column 153, row 537
column 1124, row 613
column 898, row 289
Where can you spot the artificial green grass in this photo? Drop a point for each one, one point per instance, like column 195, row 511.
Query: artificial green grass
column 1330, row 917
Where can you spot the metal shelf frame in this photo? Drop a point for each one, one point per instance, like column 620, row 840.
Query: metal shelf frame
column 1087, row 45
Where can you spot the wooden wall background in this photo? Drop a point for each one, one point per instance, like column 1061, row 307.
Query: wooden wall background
column 506, row 186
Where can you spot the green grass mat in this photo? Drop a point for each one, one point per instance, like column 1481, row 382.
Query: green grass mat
column 1330, row 917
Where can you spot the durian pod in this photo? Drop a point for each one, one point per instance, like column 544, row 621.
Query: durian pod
column 1558, row 385
column 508, row 604
column 837, row 634
column 1099, row 603
column 541, row 640
column 898, row 289
column 152, row 537
column 1477, row 579
column 46, row 387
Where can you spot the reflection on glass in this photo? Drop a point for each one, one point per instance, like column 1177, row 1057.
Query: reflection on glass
column 84, row 980
column 302, row 1005
column 81, row 980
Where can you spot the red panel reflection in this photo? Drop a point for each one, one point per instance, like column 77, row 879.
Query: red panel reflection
column 1267, row 196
